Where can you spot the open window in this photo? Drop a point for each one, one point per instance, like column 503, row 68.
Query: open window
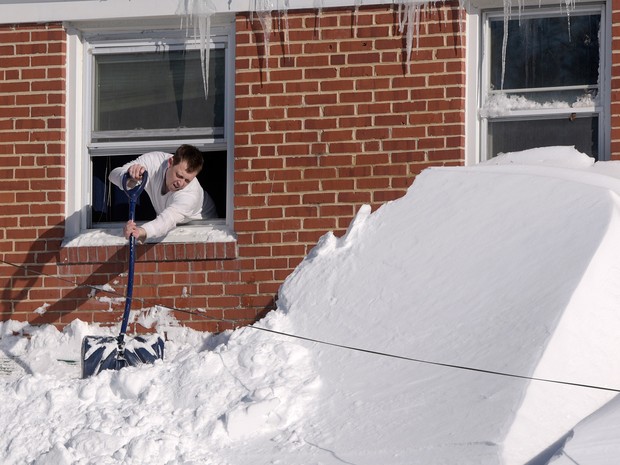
column 144, row 91
column 543, row 81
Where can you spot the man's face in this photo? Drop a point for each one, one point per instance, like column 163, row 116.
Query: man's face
column 177, row 176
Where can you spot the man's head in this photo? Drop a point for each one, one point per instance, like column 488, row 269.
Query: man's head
column 183, row 167
column 191, row 155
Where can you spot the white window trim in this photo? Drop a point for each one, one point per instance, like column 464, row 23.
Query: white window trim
column 78, row 177
column 472, row 85
column 477, row 74
column 32, row 11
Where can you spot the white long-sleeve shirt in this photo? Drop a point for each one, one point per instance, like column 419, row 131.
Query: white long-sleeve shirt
column 172, row 208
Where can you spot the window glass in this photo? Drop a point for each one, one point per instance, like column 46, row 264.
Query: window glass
column 110, row 204
column 546, row 52
column 541, row 84
column 142, row 96
column 507, row 136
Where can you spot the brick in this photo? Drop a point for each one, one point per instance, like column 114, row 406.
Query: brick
column 345, row 147
column 337, row 135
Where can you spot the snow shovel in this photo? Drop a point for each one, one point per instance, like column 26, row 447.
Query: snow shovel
column 113, row 353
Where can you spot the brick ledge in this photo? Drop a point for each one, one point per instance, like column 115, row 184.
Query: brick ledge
column 161, row 252
column 185, row 243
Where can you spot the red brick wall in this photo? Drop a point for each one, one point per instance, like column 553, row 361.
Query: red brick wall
column 32, row 163
column 331, row 119
column 335, row 121
column 615, row 80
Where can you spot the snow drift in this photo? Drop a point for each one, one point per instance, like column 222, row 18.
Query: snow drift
column 503, row 268
column 422, row 330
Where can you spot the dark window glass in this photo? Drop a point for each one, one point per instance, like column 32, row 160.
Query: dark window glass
column 517, row 135
column 546, row 52
column 110, row 203
column 158, row 92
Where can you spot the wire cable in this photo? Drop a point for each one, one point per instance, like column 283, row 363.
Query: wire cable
column 337, row 345
column 446, row 365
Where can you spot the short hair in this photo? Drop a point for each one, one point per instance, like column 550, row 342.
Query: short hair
column 191, row 155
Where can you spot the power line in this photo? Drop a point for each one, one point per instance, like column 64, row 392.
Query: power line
column 334, row 344
column 429, row 362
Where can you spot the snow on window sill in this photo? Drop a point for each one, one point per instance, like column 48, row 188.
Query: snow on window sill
column 188, row 242
column 499, row 104
column 495, row 4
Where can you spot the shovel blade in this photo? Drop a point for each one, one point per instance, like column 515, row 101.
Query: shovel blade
column 102, row 353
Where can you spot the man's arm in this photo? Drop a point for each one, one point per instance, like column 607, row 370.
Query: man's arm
column 135, row 170
column 184, row 206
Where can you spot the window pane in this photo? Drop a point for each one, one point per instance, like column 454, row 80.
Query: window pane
column 546, row 52
column 110, row 204
column 161, row 92
column 512, row 136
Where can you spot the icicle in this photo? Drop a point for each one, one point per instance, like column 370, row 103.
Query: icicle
column 507, row 10
column 409, row 15
column 283, row 14
column 199, row 13
column 265, row 7
column 357, row 5
column 570, row 6
column 463, row 4
column 318, row 6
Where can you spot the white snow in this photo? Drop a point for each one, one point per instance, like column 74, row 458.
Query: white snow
column 500, row 104
column 42, row 309
column 511, row 267
column 183, row 233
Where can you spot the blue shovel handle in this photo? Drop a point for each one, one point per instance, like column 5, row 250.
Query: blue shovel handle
column 133, row 194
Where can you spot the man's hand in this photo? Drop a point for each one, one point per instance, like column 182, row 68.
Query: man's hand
column 135, row 173
column 132, row 229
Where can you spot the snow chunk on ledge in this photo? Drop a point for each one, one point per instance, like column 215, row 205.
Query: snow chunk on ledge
column 184, row 233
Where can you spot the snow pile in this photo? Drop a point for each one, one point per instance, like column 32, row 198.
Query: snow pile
column 561, row 157
column 211, row 393
column 502, row 268
column 596, row 439
column 417, row 335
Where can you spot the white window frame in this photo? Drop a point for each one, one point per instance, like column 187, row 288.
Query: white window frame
column 478, row 69
column 102, row 37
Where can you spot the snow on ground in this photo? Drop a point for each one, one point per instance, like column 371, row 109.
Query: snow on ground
column 510, row 267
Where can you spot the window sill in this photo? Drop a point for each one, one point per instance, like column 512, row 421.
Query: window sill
column 190, row 242
column 497, row 4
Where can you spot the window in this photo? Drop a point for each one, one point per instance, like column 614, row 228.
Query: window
column 543, row 83
column 144, row 91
